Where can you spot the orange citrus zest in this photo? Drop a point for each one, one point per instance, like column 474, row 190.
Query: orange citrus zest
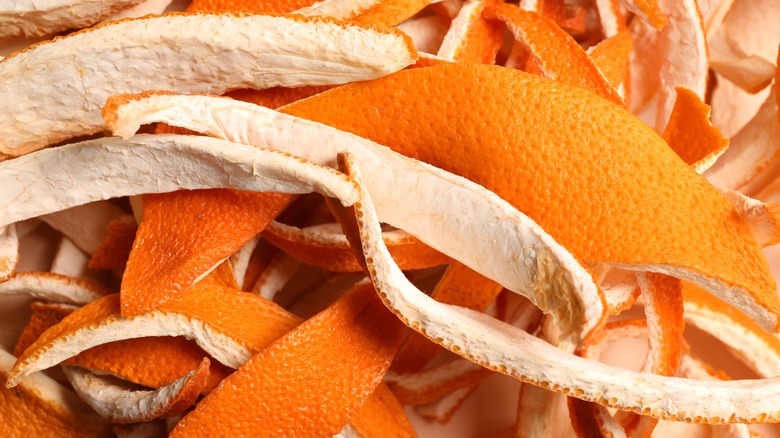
column 44, row 315
column 346, row 349
column 690, row 133
column 460, row 286
column 115, row 249
column 664, row 312
column 710, row 242
column 211, row 225
column 382, row 416
column 611, row 57
column 388, row 13
column 332, row 252
column 556, row 53
column 472, row 38
column 251, row 6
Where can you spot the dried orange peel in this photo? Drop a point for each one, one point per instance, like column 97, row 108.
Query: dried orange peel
column 9, row 251
column 53, row 287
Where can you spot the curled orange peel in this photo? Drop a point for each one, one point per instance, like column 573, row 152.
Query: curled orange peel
column 472, row 38
column 355, row 333
column 325, row 56
column 122, row 405
column 53, row 287
column 577, row 313
column 9, row 251
column 113, row 252
column 611, row 57
column 227, row 324
column 330, row 250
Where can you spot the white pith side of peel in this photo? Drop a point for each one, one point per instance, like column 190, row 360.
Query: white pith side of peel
column 69, row 260
column 507, row 246
column 220, row 346
column 85, row 225
column 751, row 349
column 280, row 270
column 338, row 9
column 53, row 288
column 325, row 235
column 758, row 216
column 240, row 260
column 514, row 352
column 55, row 91
column 609, row 17
column 35, row 18
column 145, row 8
column 153, row 164
column 9, row 251
column 457, row 34
column 750, row 150
column 117, row 403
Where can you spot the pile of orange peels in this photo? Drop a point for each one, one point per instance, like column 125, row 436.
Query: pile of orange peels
column 347, row 217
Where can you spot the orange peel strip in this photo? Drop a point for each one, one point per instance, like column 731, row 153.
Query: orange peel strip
column 241, row 259
column 40, row 406
column 228, row 325
column 556, row 53
column 764, row 219
column 152, row 361
column 611, row 20
column 443, row 409
column 472, row 38
column 664, row 313
column 292, row 51
column 119, row 404
column 85, row 225
column 250, row 6
column 114, row 250
column 146, row 7
column 355, row 333
column 648, row 10
column 751, row 150
column 433, row 383
column 577, row 303
column 685, row 24
column 379, row 13
column 690, row 133
column 322, row 247
column 757, row 349
column 53, row 287
column 9, row 251
column 222, row 164
column 592, row 420
column 459, row 286
column 514, row 352
column 279, row 270
column 611, row 56
column 165, row 260
column 32, row 18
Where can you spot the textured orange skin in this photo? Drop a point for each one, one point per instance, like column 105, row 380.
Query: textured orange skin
column 246, row 318
column 665, row 304
column 409, row 254
column 382, row 416
column 190, row 393
column 482, row 41
column 183, row 235
column 43, row 316
column 115, row 249
column 601, row 182
column 654, row 14
column 556, row 53
column 459, row 286
column 390, row 12
column 24, row 414
column 611, row 57
column 689, row 131
column 309, row 382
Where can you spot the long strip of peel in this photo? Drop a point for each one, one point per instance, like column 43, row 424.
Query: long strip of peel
column 763, row 218
column 85, row 225
column 32, row 189
column 472, row 38
column 36, row 18
column 9, row 251
column 118, row 404
column 514, row 352
column 55, row 90
column 53, row 287
column 144, row 8
column 338, row 9
column 223, row 328
column 546, row 273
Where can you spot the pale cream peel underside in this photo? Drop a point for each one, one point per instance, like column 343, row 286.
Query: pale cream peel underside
column 428, row 203
column 55, row 91
column 9, row 251
column 118, row 403
column 53, row 288
column 338, row 9
column 514, row 352
column 36, row 18
column 153, row 164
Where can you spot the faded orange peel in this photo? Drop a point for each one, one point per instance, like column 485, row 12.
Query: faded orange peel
column 121, row 405
column 648, row 10
column 355, row 333
column 557, row 54
column 577, row 303
column 330, row 250
column 227, row 324
column 472, row 38
column 284, row 57
column 9, row 251
column 512, row 351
